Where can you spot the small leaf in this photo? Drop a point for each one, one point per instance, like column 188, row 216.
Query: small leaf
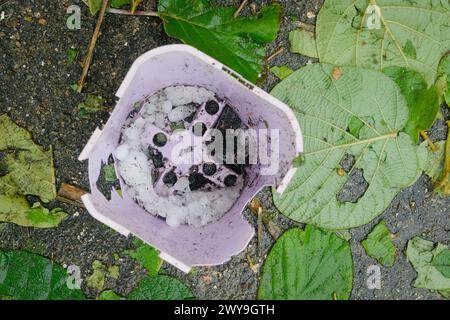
column 94, row 6
column 41, row 217
column 423, row 102
column 71, row 55
column 378, row 245
column 308, row 264
column 28, row 276
column 238, row 42
column 281, row 72
column 110, row 172
column 424, row 255
column 93, row 103
column 147, row 256
column 109, row 295
column 303, row 42
column 160, row 288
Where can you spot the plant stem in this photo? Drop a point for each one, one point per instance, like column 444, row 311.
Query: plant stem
column 425, row 137
column 88, row 60
column 135, row 13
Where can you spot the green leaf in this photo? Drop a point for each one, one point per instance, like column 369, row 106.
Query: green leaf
column 442, row 262
column 41, row 217
column 161, row 288
column 109, row 295
column 97, row 279
column 236, row 42
column 93, row 103
column 71, row 55
column 25, row 169
column 378, row 245
column 281, row 72
column 432, row 163
column 424, row 255
column 110, row 172
column 147, row 256
column 94, row 5
column 28, row 276
column 303, row 42
column 382, row 33
column 308, row 264
column 444, row 73
column 324, row 107
column 423, row 102
column 28, row 165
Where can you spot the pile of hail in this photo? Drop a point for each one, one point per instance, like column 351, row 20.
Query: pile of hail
column 194, row 193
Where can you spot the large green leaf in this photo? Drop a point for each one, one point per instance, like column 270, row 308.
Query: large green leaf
column 28, row 276
column 325, row 107
column 161, row 288
column 423, row 102
column 236, row 42
column 378, row 245
column 380, row 33
column 307, row 264
column 432, row 263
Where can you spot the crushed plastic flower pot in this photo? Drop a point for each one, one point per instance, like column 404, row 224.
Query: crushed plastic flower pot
column 189, row 243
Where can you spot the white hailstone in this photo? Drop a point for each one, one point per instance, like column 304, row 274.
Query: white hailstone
column 196, row 208
column 160, row 120
column 121, row 152
column 149, row 108
column 182, row 184
column 166, row 106
column 181, row 113
column 180, row 95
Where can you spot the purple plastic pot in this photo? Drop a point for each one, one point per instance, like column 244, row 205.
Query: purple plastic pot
column 188, row 246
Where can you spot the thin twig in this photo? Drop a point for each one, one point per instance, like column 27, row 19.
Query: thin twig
column 242, row 5
column 88, row 60
column 425, row 137
column 135, row 13
column 276, row 53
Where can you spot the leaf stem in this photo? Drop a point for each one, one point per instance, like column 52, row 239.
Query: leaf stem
column 391, row 135
column 95, row 35
column 425, row 137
